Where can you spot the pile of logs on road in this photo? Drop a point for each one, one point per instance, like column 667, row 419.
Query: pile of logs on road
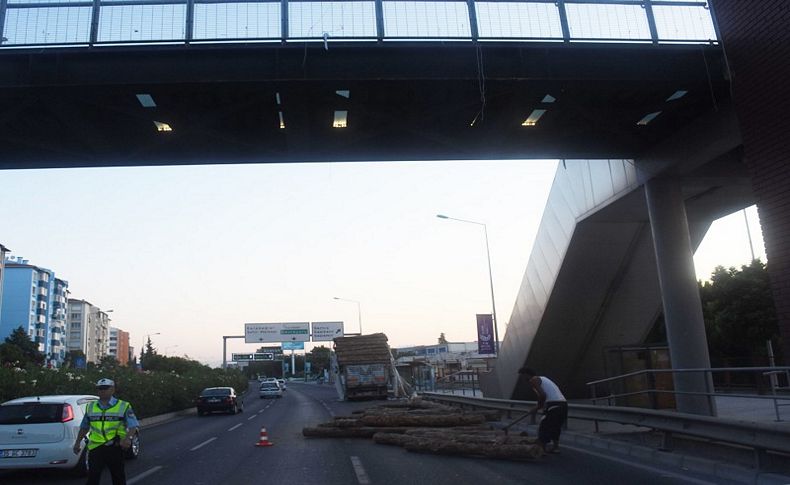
column 426, row 427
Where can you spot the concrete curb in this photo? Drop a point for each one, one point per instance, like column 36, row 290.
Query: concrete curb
column 681, row 463
column 163, row 418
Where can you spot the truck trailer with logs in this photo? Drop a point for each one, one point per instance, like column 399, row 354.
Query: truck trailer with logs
column 362, row 367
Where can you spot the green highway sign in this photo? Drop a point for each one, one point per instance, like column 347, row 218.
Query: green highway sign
column 255, row 356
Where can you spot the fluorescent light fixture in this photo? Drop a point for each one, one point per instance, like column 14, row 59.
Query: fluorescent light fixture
column 548, row 99
column 344, row 92
column 677, row 95
column 341, row 119
column 277, row 98
column 282, row 121
column 146, row 100
column 533, row 118
column 648, row 118
column 162, row 126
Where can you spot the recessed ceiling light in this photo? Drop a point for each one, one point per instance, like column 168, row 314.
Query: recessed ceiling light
column 548, row 99
column 162, row 126
column 677, row 95
column 344, row 92
column 648, row 118
column 341, row 119
column 282, row 121
column 533, row 118
column 146, row 100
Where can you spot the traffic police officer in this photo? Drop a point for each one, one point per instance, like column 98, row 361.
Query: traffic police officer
column 109, row 424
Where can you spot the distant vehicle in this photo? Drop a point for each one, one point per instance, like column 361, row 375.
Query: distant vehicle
column 219, row 399
column 271, row 389
column 39, row 432
column 267, row 379
column 282, row 384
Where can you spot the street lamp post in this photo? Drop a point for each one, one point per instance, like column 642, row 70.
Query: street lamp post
column 490, row 277
column 359, row 310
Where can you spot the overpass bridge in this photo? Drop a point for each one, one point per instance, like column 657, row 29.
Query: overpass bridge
column 643, row 84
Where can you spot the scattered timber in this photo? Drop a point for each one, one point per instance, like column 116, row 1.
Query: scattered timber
column 424, row 427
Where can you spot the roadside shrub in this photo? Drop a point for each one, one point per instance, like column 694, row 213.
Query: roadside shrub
column 150, row 393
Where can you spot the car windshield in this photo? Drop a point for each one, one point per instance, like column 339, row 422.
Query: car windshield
column 215, row 392
column 269, row 385
column 31, row 413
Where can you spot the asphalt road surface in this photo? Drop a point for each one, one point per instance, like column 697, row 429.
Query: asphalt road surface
column 220, row 449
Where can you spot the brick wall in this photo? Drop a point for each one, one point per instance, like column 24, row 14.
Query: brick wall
column 756, row 38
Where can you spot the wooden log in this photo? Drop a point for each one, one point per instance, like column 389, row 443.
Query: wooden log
column 396, row 439
column 359, row 432
column 438, row 420
column 502, row 452
column 341, row 423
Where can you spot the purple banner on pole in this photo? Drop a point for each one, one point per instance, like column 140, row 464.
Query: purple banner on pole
column 485, row 334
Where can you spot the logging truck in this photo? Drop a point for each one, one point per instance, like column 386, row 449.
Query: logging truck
column 361, row 366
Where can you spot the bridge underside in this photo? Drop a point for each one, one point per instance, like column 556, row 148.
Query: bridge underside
column 78, row 106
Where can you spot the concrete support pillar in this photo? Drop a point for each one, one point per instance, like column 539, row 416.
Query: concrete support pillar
column 685, row 326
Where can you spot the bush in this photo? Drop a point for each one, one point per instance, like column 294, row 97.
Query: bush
column 150, row 392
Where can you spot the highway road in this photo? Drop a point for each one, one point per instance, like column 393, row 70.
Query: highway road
column 220, row 449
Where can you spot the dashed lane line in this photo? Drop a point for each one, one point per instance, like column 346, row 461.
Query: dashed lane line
column 362, row 475
column 143, row 475
column 201, row 445
column 251, row 418
column 231, row 429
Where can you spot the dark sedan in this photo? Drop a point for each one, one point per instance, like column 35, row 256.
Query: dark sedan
column 219, row 399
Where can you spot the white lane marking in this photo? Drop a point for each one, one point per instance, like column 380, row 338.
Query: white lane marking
column 231, row 429
column 251, row 417
column 331, row 413
column 201, row 445
column 661, row 471
column 143, row 475
column 362, row 475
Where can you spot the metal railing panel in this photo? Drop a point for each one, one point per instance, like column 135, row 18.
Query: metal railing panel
column 498, row 20
column 613, row 22
column 47, row 25
column 136, row 23
column 332, row 19
column 684, row 23
column 247, row 20
column 426, row 20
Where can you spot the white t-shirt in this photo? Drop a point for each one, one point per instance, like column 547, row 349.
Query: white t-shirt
column 553, row 392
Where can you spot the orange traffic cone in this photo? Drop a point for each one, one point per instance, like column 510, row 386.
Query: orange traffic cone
column 264, row 439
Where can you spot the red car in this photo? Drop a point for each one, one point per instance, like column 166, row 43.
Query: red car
column 219, row 399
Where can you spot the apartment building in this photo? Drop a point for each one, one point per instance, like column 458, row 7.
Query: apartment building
column 3, row 251
column 34, row 299
column 88, row 329
column 119, row 345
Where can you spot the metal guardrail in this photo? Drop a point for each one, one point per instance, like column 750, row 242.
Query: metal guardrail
column 760, row 437
column 649, row 375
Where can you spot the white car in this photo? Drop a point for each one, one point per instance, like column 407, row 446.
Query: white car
column 282, row 384
column 270, row 389
column 39, row 432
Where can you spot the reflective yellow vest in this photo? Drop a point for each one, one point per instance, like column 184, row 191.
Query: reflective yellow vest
column 106, row 424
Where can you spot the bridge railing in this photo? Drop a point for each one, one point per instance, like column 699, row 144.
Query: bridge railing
column 651, row 385
column 57, row 23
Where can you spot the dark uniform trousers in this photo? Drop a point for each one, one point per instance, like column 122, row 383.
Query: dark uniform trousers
column 110, row 456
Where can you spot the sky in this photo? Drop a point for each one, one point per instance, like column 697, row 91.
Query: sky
column 192, row 253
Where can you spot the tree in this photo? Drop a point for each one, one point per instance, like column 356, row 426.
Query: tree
column 319, row 359
column 442, row 339
column 147, row 354
column 740, row 316
column 19, row 350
